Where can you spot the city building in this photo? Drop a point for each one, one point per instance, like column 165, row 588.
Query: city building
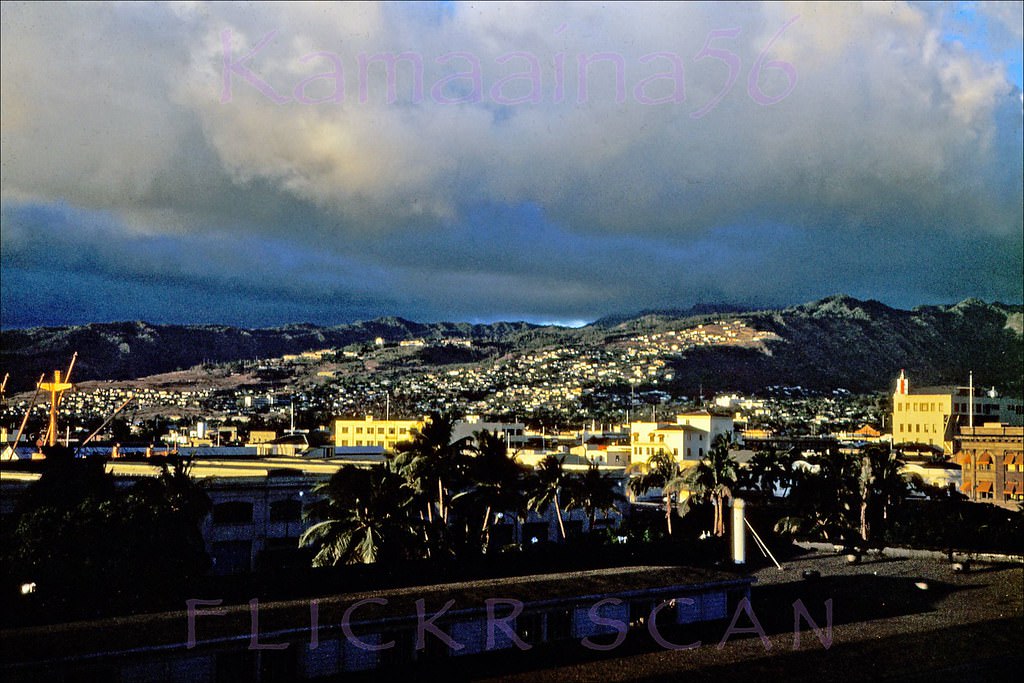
column 712, row 423
column 512, row 432
column 604, row 450
column 932, row 415
column 373, row 432
column 943, row 475
column 992, row 458
column 688, row 439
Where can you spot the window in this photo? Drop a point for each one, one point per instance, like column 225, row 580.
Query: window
column 234, row 512
column 231, row 557
column 289, row 510
column 535, row 532
column 639, row 611
column 404, row 650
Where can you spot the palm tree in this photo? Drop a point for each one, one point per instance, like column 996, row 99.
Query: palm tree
column 713, row 478
column 593, row 491
column 663, row 472
column 364, row 515
column 881, row 486
column 548, row 478
column 826, row 497
column 496, row 481
column 765, row 471
column 431, row 459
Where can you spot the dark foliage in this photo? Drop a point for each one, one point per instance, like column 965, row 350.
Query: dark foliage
column 92, row 548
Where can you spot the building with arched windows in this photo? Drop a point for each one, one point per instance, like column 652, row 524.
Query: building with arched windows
column 992, row 461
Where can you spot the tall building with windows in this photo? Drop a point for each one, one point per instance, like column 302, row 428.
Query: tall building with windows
column 373, row 432
column 992, row 462
column 933, row 415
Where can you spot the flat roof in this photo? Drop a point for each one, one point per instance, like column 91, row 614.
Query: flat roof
column 167, row 630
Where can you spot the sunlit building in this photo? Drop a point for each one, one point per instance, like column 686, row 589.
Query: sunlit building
column 372, row 432
column 992, row 458
column 932, row 415
column 688, row 439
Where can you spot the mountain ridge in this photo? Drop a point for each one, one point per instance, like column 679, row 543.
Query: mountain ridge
column 836, row 341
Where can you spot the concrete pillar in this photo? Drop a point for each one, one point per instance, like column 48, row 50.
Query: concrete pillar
column 739, row 551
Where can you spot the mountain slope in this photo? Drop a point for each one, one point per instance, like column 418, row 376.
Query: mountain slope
column 862, row 345
column 835, row 342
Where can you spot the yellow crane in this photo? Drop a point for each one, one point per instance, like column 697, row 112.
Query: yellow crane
column 57, row 388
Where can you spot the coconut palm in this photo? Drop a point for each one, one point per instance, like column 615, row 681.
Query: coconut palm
column 765, row 471
column 661, row 471
column 714, row 477
column 548, row 478
column 881, row 486
column 496, row 482
column 363, row 515
column 593, row 491
column 826, row 497
column 430, row 460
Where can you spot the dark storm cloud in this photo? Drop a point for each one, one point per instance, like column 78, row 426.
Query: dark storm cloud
column 136, row 161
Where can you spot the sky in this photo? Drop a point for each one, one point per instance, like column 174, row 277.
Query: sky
column 262, row 164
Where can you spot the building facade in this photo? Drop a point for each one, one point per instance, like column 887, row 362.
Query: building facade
column 373, row 432
column 992, row 458
column 932, row 415
column 687, row 440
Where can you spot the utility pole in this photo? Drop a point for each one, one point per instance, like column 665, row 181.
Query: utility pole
column 970, row 395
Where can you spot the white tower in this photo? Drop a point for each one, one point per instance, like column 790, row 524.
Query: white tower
column 902, row 384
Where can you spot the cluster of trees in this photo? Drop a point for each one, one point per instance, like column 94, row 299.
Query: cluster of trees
column 86, row 546
column 438, row 499
column 712, row 480
column 863, row 500
column 847, row 498
column 435, row 498
column 856, row 499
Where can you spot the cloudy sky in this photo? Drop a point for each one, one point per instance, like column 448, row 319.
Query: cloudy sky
column 259, row 164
